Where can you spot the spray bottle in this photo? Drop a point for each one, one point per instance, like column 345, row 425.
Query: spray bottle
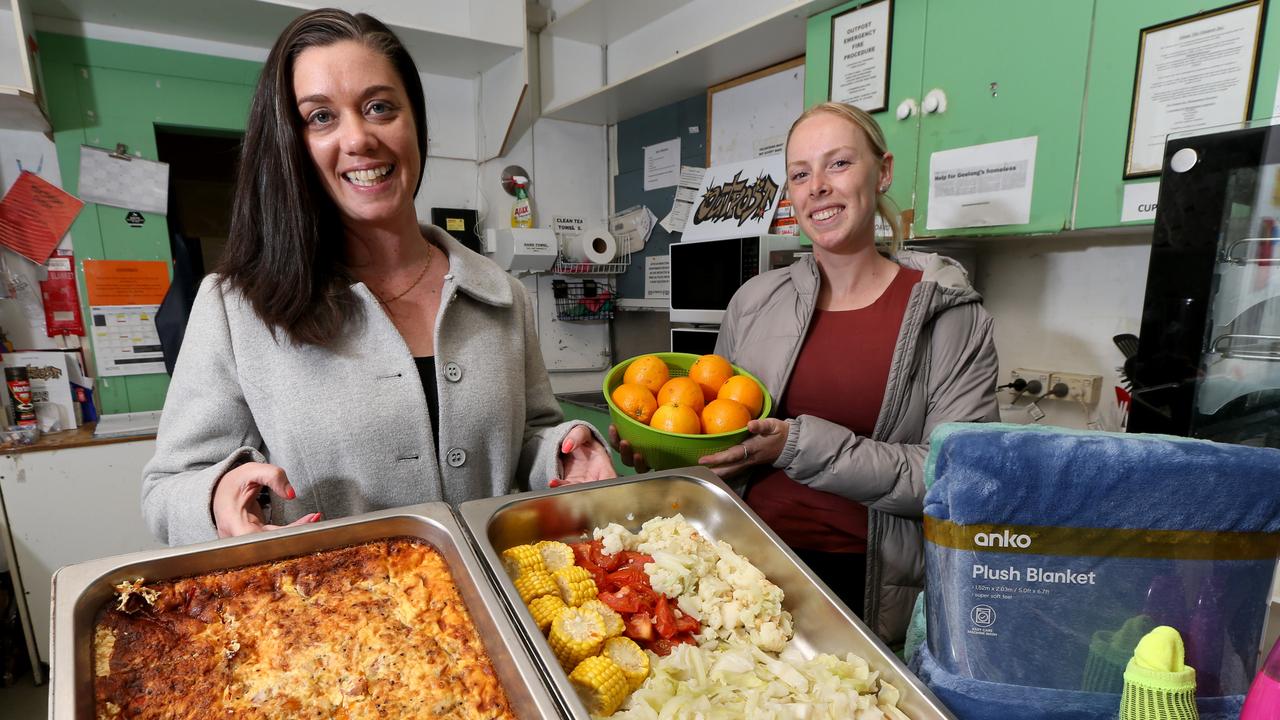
column 521, row 210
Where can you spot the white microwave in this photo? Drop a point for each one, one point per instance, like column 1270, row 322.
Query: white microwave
column 706, row 273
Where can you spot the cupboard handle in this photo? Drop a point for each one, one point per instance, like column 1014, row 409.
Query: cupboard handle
column 935, row 102
column 907, row 108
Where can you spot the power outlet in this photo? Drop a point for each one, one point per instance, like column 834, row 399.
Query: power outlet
column 1083, row 388
column 1041, row 376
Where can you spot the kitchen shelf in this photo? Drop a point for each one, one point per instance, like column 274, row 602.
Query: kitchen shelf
column 602, row 22
column 770, row 40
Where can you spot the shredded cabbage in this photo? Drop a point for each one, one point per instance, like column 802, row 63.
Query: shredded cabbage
column 744, row 664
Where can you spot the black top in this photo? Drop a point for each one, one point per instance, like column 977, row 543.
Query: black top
column 427, row 371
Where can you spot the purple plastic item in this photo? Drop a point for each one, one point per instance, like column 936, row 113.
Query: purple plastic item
column 1263, row 700
column 1207, row 637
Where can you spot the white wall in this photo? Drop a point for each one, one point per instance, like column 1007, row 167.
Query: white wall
column 568, row 164
column 1057, row 302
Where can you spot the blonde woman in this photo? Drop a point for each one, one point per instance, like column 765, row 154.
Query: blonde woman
column 867, row 350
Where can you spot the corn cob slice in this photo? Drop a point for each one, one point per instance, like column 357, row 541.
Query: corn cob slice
column 535, row 584
column 544, row 609
column 555, row 555
column 575, row 585
column 629, row 658
column 613, row 622
column 522, row 559
column 576, row 635
column 601, row 684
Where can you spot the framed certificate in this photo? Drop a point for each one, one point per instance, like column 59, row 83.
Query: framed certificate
column 1193, row 73
column 860, row 40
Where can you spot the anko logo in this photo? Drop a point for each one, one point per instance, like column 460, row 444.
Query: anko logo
column 1005, row 539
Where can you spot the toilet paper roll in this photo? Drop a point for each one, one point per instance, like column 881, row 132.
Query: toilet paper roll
column 594, row 245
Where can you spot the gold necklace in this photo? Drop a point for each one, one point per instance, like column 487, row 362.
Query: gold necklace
column 404, row 292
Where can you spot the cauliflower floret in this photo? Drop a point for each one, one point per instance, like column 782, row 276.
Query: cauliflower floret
column 615, row 538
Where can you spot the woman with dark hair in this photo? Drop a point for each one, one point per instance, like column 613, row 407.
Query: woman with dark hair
column 345, row 359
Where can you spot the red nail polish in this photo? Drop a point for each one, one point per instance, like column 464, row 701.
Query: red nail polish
column 567, row 447
column 291, row 494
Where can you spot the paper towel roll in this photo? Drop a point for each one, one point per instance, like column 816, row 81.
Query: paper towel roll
column 594, row 245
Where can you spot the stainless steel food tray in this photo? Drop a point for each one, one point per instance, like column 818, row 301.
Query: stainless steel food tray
column 821, row 622
column 80, row 590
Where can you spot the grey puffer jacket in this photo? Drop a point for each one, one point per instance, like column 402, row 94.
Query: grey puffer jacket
column 944, row 369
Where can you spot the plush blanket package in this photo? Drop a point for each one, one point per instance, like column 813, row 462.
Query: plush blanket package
column 1050, row 553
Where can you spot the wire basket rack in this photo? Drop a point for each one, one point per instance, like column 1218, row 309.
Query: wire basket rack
column 584, row 299
column 569, row 267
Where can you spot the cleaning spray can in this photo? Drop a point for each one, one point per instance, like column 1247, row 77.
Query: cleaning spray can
column 521, row 209
column 24, row 410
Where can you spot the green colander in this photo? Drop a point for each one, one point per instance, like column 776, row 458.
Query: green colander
column 664, row 450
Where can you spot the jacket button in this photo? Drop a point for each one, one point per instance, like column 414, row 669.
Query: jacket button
column 456, row 457
column 453, row 372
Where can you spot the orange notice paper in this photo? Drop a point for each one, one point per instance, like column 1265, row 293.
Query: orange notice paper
column 126, row 282
column 34, row 216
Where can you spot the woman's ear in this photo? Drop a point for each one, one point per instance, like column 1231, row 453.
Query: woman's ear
column 886, row 172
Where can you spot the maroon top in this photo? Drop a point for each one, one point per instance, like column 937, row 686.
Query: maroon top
column 840, row 376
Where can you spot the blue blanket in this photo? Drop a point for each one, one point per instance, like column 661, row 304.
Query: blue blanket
column 1050, row 551
column 1031, row 475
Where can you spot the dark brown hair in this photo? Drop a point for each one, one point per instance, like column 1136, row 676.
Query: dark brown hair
column 284, row 253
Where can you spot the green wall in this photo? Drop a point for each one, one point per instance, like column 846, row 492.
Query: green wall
column 103, row 93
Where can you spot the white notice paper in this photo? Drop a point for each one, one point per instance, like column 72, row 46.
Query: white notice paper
column 1193, row 75
column 1139, row 201
column 133, row 184
column 125, row 341
column 657, row 277
column 860, row 57
column 686, row 193
column 661, row 164
column 982, row 185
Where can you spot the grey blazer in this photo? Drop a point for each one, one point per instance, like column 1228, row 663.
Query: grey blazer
column 349, row 424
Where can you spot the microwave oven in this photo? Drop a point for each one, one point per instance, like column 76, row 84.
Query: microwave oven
column 706, row 273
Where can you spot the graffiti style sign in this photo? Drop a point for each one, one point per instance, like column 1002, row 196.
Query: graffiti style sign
column 736, row 200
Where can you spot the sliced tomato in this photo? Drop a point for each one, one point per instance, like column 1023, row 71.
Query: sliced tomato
column 623, row 600
column 630, row 577
column 687, row 623
column 664, row 618
column 639, row 627
column 631, row 557
column 604, row 560
column 581, row 552
column 686, row 638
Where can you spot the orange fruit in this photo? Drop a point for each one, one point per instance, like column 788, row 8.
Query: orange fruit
column 744, row 390
column 648, row 371
column 677, row 419
column 710, row 372
column 724, row 416
column 635, row 400
column 682, row 391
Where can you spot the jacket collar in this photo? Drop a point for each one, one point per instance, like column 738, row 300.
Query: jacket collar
column 473, row 274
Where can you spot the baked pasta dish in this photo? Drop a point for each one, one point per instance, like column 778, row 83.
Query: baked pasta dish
column 371, row 631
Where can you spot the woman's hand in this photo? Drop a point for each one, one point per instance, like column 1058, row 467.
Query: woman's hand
column 630, row 456
column 768, row 437
column 583, row 459
column 235, row 499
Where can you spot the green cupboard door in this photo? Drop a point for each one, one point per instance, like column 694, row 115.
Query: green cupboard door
column 126, row 107
column 905, row 62
column 1113, row 69
column 1009, row 69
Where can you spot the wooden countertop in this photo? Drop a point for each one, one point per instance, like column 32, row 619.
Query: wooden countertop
column 65, row 439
